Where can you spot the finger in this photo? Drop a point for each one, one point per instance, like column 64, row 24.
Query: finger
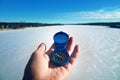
column 41, row 49
column 74, row 54
column 51, row 49
column 40, row 46
column 69, row 44
column 68, row 67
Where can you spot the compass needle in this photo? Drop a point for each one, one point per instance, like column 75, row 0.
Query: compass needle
column 59, row 56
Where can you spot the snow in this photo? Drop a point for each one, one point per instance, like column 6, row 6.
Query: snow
column 99, row 57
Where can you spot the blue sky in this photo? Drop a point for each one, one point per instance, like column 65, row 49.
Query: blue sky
column 60, row 11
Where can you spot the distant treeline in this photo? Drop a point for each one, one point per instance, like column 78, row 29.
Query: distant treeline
column 110, row 24
column 16, row 25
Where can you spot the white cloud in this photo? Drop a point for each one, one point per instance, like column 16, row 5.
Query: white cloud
column 99, row 14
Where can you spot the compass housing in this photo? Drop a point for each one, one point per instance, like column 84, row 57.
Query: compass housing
column 60, row 55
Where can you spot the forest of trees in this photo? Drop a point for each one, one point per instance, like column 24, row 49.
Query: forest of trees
column 109, row 24
column 16, row 25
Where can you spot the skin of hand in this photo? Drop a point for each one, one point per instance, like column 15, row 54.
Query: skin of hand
column 39, row 66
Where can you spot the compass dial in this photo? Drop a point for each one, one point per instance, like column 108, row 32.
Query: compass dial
column 60, row 57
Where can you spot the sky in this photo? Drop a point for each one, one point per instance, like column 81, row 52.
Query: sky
column 60, row 11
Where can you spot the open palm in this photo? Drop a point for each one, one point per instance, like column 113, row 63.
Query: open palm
column 39, row 66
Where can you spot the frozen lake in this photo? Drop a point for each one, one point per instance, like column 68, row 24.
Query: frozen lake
column 99, row 58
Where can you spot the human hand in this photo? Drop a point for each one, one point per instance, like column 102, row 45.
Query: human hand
column 39, row 66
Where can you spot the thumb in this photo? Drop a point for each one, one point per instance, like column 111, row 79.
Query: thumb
column 41, row 49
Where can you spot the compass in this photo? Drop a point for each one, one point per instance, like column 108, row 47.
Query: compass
column 60, row 55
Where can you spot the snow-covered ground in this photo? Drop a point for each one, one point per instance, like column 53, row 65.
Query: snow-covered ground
column 99, row 58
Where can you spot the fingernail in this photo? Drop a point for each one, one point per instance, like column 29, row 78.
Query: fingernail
column 43, row 45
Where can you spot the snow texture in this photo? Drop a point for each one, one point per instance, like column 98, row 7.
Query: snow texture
column 99, row 57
